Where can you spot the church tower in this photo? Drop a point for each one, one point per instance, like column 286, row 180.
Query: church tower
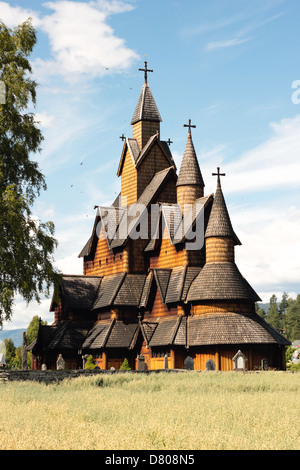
column 190, row 184
column 144, row 155
column 146, row 118
column 220, row 238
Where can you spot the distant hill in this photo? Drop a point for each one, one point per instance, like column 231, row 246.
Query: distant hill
column 264, row 306
column 15, row 335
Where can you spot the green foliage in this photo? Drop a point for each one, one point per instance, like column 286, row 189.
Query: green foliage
column 90, row 363
column 10, row 352
column 273, row 316
column 293, row 367
column 26, row 244
column 125, row 365
column 293, row 318
column 33, row 328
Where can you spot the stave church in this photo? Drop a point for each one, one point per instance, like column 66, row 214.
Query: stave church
column 159, row 278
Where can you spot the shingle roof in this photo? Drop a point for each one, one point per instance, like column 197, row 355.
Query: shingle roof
column 165, row 332
column 78, row 292
column 121, row 335
column 190, row 173
column 219, row 224
column 231, row 328
column 191, row 274
column 108, row 290
column 147, row 196
column 131, row 290
column 62, row 336
column 146, row 290
column 146, row 109
column 175, row 284
column 162, row 277
column 97, row 336
column 221, row 281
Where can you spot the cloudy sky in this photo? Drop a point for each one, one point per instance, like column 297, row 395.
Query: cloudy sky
column 231, row 66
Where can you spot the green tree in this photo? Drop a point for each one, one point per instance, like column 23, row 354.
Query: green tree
column 90, row 363
column 26, row 244
column 10, row 352
column 293, row 319
column 33, row 328
column 125, row 365
column 273, row 316
column 260, row 311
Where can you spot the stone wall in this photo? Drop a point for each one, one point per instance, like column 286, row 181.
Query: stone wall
column 55, row 376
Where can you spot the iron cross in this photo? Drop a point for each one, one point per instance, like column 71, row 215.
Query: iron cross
column 145, row 70
column 122, row 137
column 189, row 125
column 218, row 174
column 169, row 142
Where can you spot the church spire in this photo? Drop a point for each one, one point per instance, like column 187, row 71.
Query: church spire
column 190, row 173
column 219, row 224
column 146, row 118
column 190, row 184
column 220, row 238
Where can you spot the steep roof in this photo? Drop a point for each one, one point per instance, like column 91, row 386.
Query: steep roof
column 77, row 292
column 221, row 281
column 138, row 155
column 232, row 328
column 219, row 224
column 190, row 173
column 146, row 109
column 150, row 192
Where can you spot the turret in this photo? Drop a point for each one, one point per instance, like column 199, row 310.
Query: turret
column 190, row 185
column 220, row 237
column 146, row 118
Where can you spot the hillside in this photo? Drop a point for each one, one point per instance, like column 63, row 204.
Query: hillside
column 15, row 335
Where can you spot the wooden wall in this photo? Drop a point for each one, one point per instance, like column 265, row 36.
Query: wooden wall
column 128, row 181
column 219, row 249
column 105, row 261
column 169, row 256
column 187, row 195
column 143, row 130
column 222, row 307
column 154, row 161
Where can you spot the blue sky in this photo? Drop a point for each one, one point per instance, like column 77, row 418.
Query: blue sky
column 228, row 65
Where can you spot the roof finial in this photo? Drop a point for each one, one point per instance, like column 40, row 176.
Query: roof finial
column 189, row 125
column 145, row 70
column 218, row 174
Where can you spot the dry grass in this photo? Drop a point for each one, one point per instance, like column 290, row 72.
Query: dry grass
column 184, row 411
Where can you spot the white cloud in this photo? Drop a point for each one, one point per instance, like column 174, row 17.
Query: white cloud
column 273, row 164
column 265, row 296
column 270, row 244
column 44, row 119
column 82, row 43
column 13, row 16
column 225, row 43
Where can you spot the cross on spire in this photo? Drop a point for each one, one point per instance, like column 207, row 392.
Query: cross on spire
column 218, row 174
column 145, row 70
column 122, row 137
column 169, row 141
column 189, row 125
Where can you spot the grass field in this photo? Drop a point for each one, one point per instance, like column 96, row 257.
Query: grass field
column 183, row 411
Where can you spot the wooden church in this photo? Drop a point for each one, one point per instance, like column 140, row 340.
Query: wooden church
column 159, row 275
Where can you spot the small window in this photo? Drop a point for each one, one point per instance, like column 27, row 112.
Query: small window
column 106, row 260
column 99, row 262
column 114, row 259
column 121, row 256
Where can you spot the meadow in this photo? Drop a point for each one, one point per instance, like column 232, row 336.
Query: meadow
column 163, row 411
